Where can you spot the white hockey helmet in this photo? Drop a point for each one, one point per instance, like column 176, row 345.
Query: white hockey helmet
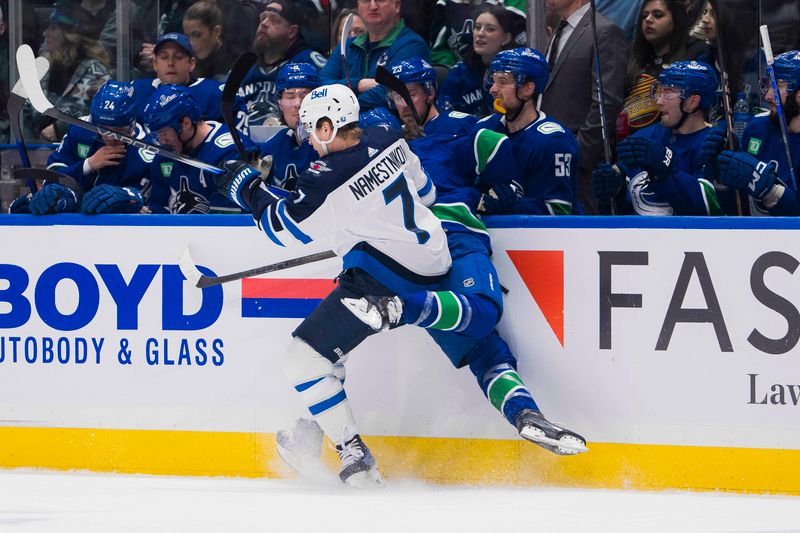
column 335, row 102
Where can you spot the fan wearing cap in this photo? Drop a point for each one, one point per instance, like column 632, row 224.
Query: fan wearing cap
column 277, row 42
column 290, row 152
column 173, row 117
column 78, row 65
column 174, row 63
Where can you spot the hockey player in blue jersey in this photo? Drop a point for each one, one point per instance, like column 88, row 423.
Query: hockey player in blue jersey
column 290, row 152
column 173, row 117
column 545, row 151
column 278, row 41
column 761, row 170
column 366, row 198
column 114, row 176
column 174, row 63
column 661, row 165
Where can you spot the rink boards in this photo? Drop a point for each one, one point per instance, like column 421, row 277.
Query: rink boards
column 670, row 344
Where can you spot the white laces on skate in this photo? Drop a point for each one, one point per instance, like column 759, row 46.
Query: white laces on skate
column 351, row 452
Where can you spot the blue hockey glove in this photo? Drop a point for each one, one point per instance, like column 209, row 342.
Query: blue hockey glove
column 740, row 170
column 21, row 206
column 53, row 198
column 713, row 144
column 646, row 154
column 500, row 200
column 110, row 199
column 607, row 180
column 239, row 182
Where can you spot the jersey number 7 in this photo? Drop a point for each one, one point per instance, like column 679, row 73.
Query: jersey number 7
column 399, row 188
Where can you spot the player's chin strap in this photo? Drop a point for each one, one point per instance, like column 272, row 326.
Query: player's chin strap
column 684, row 115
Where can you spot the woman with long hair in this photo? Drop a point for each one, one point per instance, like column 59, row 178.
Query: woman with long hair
column 660, row 39
column 78, row 66
column 463, row 89
column 202, row 23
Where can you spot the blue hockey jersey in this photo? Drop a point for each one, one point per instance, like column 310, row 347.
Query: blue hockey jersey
column 464, row 89
column 368, row 203
column 182, row 188
column 289, row 158
column 762, row 139
column 546, row 155
column 207, row 92
column 686, row 192
column 79, row 144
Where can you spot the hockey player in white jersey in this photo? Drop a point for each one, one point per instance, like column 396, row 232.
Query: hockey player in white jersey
column 366, row 198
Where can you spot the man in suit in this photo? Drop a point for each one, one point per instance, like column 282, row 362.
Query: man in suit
column 571, row 94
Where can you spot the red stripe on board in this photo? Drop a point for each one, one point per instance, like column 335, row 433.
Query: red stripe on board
column 286, row 288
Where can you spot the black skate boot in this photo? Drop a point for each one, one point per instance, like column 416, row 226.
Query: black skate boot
column 378, row 312
column 359, row 468
column 533, row 426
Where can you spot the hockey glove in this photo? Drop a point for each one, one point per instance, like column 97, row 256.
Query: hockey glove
column 713, row 144
column 110, row 199
column 648, row 155
column 53, row 198
column 740, row 170
column 500, row 200
column 21, row 206
column 239, row 182
column 607, row 180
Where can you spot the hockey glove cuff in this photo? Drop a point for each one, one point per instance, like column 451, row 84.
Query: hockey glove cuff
column 239, row 182
column 53, row 198
column 649, row 155
column 740, row 170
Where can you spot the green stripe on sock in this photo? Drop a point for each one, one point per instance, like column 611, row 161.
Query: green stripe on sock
column 450, row 314
column 460, row 214
column 501, row 387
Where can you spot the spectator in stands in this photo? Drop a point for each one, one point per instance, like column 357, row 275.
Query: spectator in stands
column 356, row 29
column 386, row 41
column 202, row 23
column 571, row 93
column 78, row 65
column 151, row 19
column 546, row 152
column 277, row 42
column 659, row 40
column 174, row 64
column 463, row 89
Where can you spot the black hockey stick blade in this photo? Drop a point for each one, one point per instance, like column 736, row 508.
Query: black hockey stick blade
column 235, row 78
column 50, row 176
column 346, row 27
column 34, row 92
column 388, row 80
column 201, row 281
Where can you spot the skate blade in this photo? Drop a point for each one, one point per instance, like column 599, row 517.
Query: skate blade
column 566, row 445
column 308, row 468
column 371, row 479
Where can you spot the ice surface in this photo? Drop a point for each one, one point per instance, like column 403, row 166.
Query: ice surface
column 41, row 501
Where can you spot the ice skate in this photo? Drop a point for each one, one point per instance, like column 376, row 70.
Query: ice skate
column 359, row 468
column 378, row 312
column 533, row 426
column 300, row 447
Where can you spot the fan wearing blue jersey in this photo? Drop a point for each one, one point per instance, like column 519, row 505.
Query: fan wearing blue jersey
column 365, row 198
column 761, row 170
column 278, row 41
column 290, row 152
column 462, row 312
column 115, row 176
column 173, row 117
column 662, row 166
column 174, row 63
column 545, row 151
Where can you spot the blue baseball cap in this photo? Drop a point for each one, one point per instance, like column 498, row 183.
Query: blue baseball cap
column 177, row 38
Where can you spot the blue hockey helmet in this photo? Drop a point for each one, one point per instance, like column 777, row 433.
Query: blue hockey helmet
column 378, row 116
column 114, row 105
column 526, row 64
column 297, row 75
column 416, row 70
column 692, row 77
column 787, row 68
column 167, row 106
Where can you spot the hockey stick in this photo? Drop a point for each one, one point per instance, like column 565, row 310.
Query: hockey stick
column 606, row 205
column 348, row 23
column 388, row 80
column 50, row 176
column 16, row 100
column 777, row 96
column 726, row 90
column 201, row 281
column 34, row 92
column 235, row 78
